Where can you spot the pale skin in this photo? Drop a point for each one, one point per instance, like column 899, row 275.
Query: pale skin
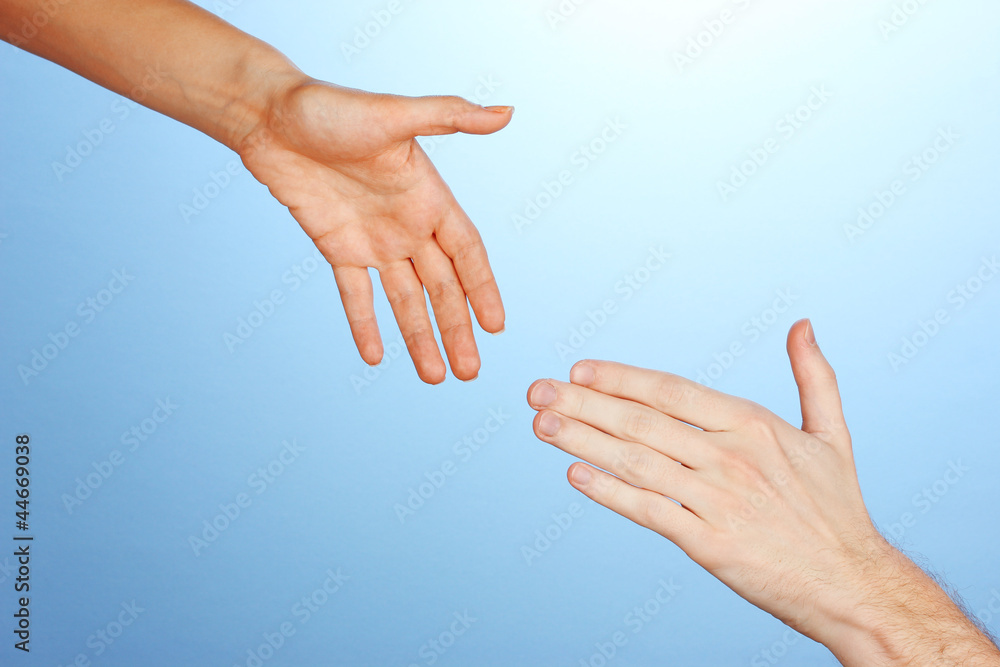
column 345, row 162
column 775, row 512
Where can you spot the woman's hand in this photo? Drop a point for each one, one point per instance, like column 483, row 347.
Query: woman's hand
column 347, row 165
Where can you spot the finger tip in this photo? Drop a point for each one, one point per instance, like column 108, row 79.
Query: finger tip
column 802, row 334
column 494, row 119
column 493, row 321
column 373, row 356
column 579, row 475
column 583, row 373
column 534, row 424
column 466, row 364
column 531, row 388
column 468, row 375
column 542, row 394
column 433, row 376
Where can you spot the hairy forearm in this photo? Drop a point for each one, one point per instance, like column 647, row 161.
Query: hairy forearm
column 169, row 55
column 902, row 617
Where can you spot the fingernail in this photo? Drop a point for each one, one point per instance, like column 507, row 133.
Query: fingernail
column 500, row 332
column 809, row 334
column 499, row 109
column 582, row 374
column 471, row 379
column 544, row 394
column 548, row 424
column 580, row 475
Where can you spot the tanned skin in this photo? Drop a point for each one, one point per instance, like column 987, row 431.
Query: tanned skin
column 345, row 162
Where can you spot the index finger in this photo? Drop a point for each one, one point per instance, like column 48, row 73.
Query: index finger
column 461, row 241
column 678, row 397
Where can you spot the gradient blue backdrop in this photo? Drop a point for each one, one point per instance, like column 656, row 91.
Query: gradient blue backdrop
column 365, row 444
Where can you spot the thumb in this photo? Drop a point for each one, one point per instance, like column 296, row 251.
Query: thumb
column 822, row 412
column 429, row 116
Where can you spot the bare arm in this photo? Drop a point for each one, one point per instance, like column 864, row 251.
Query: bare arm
column 773, row 511
column 170, row 55
column 344, row 162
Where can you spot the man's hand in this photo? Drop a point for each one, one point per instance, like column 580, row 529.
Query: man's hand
column 347, row 165
column 773, row 511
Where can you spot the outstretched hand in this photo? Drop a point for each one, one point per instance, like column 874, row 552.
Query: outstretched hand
column 775, row 512
column 348, row 167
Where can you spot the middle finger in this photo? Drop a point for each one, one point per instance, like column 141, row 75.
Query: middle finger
column 623, row 419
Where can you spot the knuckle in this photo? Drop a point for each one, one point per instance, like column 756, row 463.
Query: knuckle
column 670, row 393
column 632, row 462
column 639, row 424
column 652, row 510
column 455, row 108
column 359, row 321
column 452, row 329
column 449, row 287
column 414, row 337
column 405, row 296
column 744, row 468
column 758, row 422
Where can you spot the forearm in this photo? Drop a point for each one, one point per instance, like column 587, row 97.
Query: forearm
column 169, row 55
column 902, row 617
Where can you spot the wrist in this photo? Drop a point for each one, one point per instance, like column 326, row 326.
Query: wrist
column 263, row 77
column 861, row 628
column 898, row 615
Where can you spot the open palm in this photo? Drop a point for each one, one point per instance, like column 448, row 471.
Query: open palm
column 347, row 165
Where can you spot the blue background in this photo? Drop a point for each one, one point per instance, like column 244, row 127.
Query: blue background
column 368, row 443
